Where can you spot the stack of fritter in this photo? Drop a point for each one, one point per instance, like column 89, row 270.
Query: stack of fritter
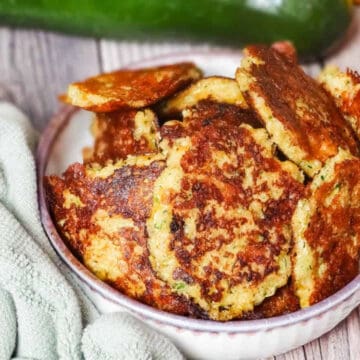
column 214, row 197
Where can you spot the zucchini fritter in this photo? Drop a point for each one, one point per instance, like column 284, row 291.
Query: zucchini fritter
column 326, row 226
column 207, row 112
column 216, row 89
column 300, row 116
column 121, row 133
column 345, row 88
column 101, row 213
column 219, row 229
column 135, row 89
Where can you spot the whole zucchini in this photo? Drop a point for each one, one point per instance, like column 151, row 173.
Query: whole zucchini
column 312, row 25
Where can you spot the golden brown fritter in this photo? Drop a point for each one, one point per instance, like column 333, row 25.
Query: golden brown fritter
column 101, row 213
column 217, row 89
column 300, row 116
column 284, row 301
column 130, row 88
column 326, row 226
column 121, row 133
column 345, row 89
column 219, row 228
column 207, row 112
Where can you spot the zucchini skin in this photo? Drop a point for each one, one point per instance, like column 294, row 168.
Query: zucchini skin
column 312, row 25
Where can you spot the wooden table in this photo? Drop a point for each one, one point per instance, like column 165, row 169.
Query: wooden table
column 36, row 66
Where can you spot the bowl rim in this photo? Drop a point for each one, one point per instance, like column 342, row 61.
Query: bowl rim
column 48, row 137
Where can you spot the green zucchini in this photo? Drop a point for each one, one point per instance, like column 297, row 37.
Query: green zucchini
column 312, row 25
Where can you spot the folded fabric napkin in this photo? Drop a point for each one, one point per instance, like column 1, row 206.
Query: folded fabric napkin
column 43, row 310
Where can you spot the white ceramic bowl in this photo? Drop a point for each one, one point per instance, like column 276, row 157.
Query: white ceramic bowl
column 61, row 144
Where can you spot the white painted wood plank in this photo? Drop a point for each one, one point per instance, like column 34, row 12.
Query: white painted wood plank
column 353, row 330
column 296, row 354
column 37, row 66
column 334, row 345
column 312, row 350
column 116, row 54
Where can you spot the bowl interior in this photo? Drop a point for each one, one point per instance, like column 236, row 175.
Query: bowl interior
column 61, row 144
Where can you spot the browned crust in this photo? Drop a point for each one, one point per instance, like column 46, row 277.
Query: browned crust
column 125, row 193
column 207, row 183
column 332, row 229
column 351, row 106
column 205, row 114
column 318, row 129
column 284, row 301
column 287, row 49
column 131, row 88
column 114, row 137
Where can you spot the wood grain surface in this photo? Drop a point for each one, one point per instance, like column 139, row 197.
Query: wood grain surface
column 36, row 66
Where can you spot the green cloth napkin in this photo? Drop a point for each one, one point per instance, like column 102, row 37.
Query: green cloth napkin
column 43, row 309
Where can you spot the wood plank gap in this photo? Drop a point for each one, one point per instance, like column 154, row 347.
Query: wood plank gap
column 304, row 352
column 99, row 55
